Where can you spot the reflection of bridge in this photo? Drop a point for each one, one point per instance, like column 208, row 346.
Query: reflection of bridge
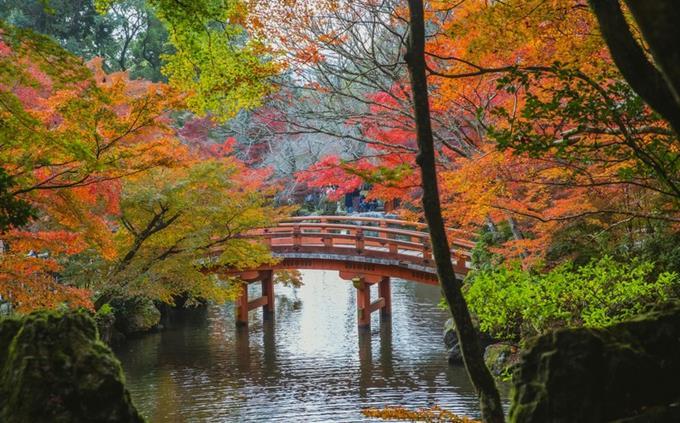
column 364, row 250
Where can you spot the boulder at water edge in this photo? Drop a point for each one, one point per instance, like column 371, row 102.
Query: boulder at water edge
column 455, row 355
column 629, row 372
column 53, row 368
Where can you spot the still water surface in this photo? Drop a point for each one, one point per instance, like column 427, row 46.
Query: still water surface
column 309, row 364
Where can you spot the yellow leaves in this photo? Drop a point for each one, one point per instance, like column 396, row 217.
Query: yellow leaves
column 433, row 414
column 199, row 210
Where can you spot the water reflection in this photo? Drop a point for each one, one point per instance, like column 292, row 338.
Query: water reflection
column 309, row 362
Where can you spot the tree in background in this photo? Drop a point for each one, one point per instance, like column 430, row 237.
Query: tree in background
column 129, row 38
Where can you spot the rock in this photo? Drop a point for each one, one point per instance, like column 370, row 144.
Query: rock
column 53, row 368
column 135, row 315
column 627, row 373
column 501, row 359
column 105, row 320
column 450, row 337
column 455, row 355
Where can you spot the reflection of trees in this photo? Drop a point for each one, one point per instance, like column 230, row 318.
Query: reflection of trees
column 207, row 364
column 286, row 305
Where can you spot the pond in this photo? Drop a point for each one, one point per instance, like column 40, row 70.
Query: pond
column 310, row 363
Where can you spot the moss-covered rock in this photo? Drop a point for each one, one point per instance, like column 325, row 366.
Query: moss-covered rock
column 135, row 315
column 628, row 372
column 105, row 320
column 53, row 368
column 501, row 359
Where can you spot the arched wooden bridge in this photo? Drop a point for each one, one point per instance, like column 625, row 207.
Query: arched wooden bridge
column 365, row 250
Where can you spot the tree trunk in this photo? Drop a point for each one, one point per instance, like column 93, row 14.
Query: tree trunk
column 492, row 411
column 658, row 22
column 656, row 83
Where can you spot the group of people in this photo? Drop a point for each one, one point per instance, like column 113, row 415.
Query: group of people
column 355, row 202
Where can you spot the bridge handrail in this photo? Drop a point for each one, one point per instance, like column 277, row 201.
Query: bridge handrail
column 288, row 230
column 416, row 246
column 395, row 231
column 459, row 243
column 400, row 222
column 357, row 239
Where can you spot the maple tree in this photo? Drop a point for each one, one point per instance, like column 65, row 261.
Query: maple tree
column 172, row 219
column 526, row 132
column 69, row 134
column 534, row 128
column 92, row 157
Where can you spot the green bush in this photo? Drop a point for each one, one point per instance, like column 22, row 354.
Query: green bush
column 513, row 304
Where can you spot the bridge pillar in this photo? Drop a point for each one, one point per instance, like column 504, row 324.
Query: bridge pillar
column 268, row 292
column 242, row 306
column 363, row 302
column 385, row 292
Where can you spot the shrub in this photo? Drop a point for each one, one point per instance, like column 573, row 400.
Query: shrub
column 512, row 303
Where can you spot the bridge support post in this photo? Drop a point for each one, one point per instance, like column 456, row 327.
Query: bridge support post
column 363, row 302
column 385, row 292
column 242, row 306
column 268, row 292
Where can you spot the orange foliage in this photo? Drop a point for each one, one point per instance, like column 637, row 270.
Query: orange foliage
column 77, row 139
column 475, row 44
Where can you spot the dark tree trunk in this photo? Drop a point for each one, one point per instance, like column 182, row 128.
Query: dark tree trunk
column 657, row 83
column 480, row 376
column 658, row 21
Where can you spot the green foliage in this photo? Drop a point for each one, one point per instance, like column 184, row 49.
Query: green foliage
column 662, row 246
column 214, row 60
column 511, row 303
column 105, row 310
column 482, row 256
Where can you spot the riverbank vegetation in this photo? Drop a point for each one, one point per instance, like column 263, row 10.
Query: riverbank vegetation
column 546, row 131
column 515, row 304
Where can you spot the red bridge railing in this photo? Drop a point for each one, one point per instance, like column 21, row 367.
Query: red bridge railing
column 387, row 239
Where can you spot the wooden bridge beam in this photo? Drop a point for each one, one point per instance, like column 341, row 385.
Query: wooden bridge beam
column 364, row 305
column 242, row 306
column 266, row 301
